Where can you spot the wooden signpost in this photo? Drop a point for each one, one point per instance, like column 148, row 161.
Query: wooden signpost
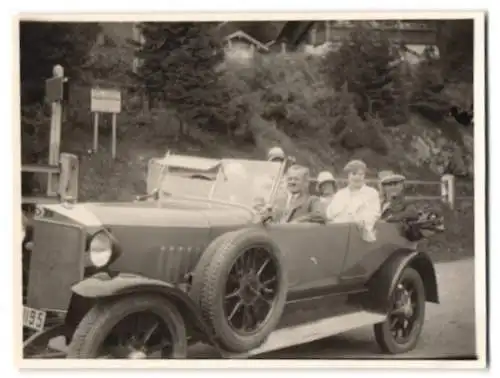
column 54, row 93
column 62, row 168
column 448, row 190
column 105, row 101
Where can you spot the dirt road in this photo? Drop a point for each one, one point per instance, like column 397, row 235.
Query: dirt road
column 449, row 329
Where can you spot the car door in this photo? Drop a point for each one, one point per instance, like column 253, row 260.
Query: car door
column 364, row 257
column 313, row 254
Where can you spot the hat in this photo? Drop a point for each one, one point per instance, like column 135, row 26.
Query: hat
column 355, row 165
column 325, row 176
column 386, row 177
column 275, row 153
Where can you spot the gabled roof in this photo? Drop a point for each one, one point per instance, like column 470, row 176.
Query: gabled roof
column 242, row 35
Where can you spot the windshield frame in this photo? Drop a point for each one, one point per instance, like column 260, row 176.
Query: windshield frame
column 219, row 165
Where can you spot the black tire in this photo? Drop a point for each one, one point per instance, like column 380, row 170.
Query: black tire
column 103, row 317
column 383, row 333
column 201, row 266
column 215, row 277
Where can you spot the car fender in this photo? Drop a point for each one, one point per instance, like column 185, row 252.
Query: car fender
column 103, row 286
column 383, row 282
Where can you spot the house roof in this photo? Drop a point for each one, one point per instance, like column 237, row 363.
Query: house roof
column 242, row 35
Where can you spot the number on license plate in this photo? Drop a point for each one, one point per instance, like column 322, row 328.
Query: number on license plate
column 34, row 319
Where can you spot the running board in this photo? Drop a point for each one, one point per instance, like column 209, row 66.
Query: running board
column 312, row 331
column 284, row 337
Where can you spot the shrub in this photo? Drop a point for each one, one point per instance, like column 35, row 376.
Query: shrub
column 292, row 94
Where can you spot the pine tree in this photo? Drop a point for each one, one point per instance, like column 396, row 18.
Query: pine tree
column 455, row 40
column 369, row 64
column 178, row 61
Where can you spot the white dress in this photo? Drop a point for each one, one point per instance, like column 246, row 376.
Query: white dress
column 360, row 206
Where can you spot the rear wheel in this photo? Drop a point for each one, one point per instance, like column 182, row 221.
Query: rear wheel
column 402, row 329
column 133, row 327
column 244, row 290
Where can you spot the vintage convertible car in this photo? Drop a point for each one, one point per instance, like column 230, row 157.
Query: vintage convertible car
column 193, row 262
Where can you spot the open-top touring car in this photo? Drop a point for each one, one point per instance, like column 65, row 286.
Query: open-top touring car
column 193, row 262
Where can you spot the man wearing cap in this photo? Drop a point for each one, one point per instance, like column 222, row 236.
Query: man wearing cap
column 326, row 187
column 394, row 206
column 415, row 223
column 297, row 204
column 357, row 202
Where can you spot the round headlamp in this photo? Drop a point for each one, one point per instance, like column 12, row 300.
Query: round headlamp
column 100, row 249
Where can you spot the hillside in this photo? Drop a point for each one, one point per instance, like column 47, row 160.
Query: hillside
column 413, row 148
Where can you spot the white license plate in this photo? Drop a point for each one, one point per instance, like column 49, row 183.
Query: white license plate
column 34, row 319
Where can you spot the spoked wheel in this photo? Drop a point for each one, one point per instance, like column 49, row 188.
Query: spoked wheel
column 251, row 290
column 145, row 327
column 402, row 329
column 244, row 289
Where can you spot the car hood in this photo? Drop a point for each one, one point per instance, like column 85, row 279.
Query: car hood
column 175, row 213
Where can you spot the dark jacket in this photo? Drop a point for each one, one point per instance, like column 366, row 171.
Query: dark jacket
column 398, row 209
column 304, row 207
column 401, row 210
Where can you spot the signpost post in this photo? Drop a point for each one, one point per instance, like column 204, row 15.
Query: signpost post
column 448, row 190
column 105, row 101
column 54, row 93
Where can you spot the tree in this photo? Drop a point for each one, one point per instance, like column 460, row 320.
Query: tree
column 427, row 87
column 455, row 40
column 45, row 44
column 108, row 65
column 368, row 63
column 177, row 69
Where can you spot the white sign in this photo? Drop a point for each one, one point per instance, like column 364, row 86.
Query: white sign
column 105, row 100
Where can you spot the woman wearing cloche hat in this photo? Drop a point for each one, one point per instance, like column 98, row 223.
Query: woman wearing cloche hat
column 326, row 187
column 357, row 202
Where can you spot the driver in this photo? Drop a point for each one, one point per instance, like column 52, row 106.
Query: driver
column 296, row 204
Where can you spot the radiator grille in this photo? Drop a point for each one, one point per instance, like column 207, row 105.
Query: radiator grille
column 56, row 264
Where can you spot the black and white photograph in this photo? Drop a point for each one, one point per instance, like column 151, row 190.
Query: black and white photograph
column 267, row 189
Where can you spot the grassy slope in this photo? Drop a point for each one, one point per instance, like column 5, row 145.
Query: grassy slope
column 105, row 179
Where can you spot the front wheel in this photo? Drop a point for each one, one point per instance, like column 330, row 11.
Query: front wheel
column 133, row 327
column 402, row 329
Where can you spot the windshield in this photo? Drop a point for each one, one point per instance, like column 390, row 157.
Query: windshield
column 244, row 182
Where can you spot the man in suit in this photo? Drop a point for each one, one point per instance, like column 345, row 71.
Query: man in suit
column 296, row 204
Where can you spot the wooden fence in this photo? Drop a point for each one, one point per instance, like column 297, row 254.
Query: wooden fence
column 447, row 190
